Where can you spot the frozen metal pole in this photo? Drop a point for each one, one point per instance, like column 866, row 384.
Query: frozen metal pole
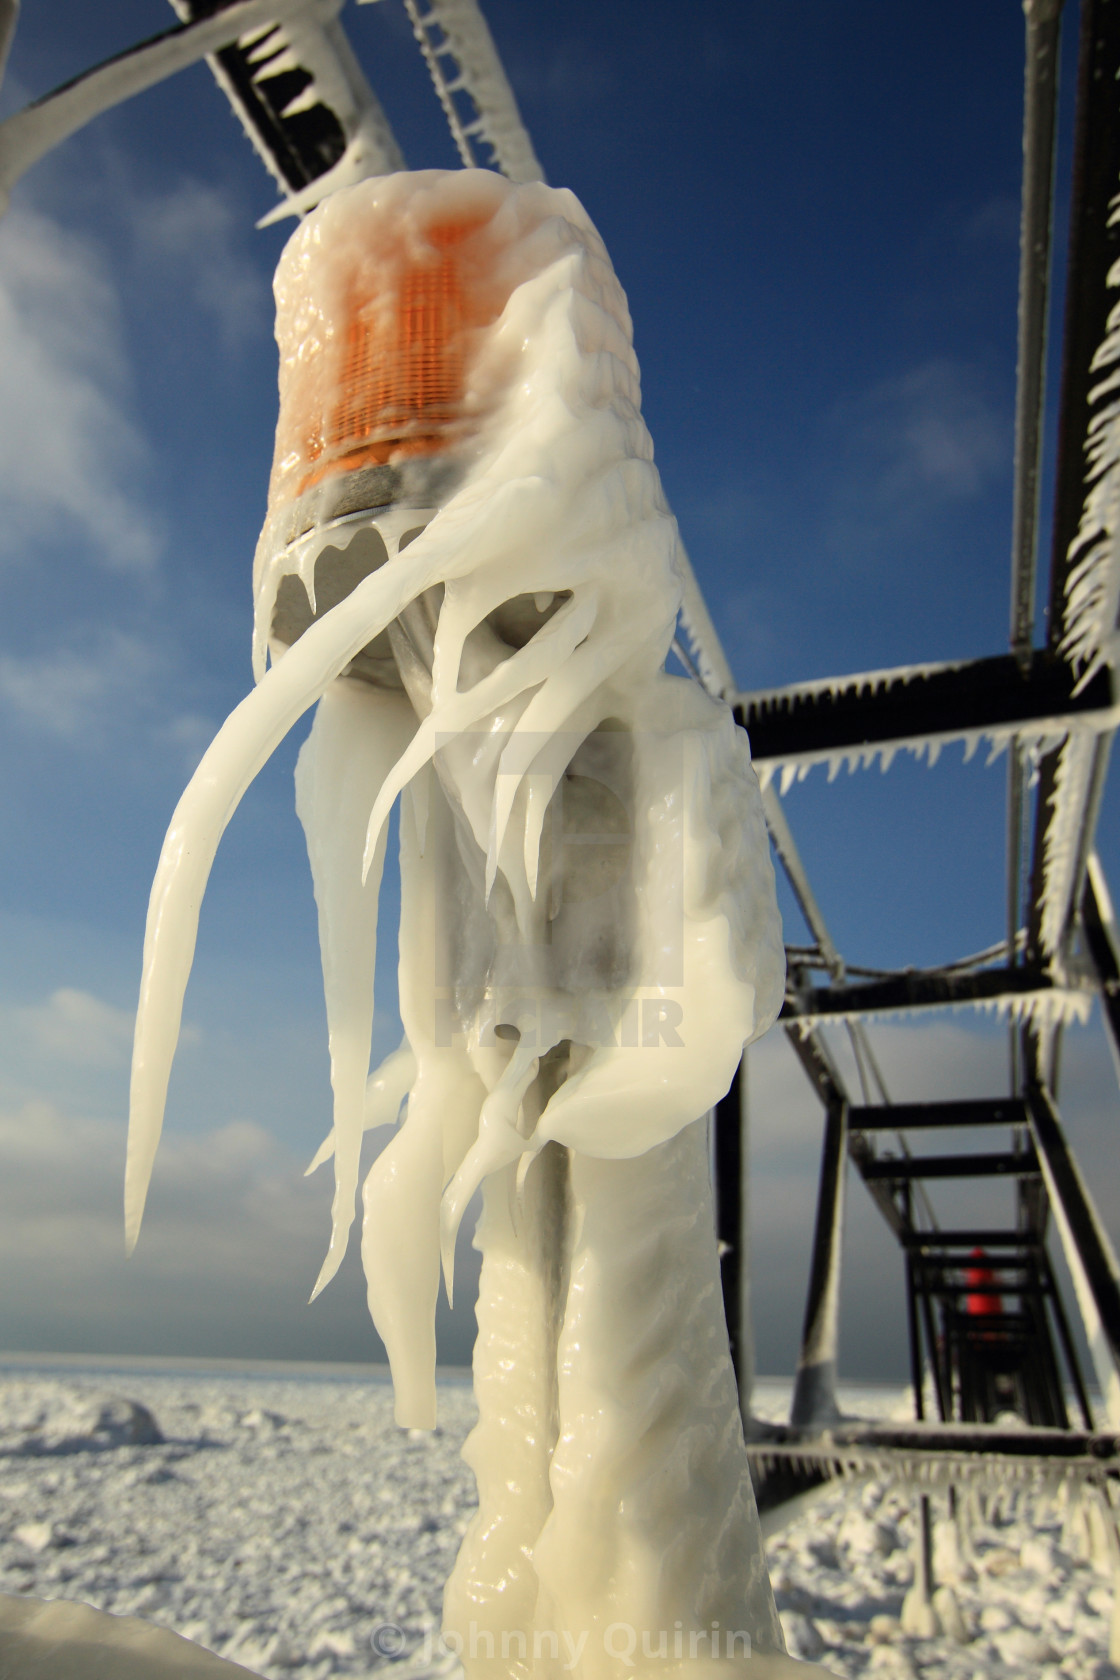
column 1085, row 1242
column 1040, row 102
column 9, row 17
column 44, row 124
column 814, row 1392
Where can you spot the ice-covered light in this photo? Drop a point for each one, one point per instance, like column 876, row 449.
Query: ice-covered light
column 469, row 563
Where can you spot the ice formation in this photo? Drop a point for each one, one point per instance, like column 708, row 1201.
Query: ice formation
column 1092, row 603
column 468, row 562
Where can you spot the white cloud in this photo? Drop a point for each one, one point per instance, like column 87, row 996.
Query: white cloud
column 71, row 692
column 188, row 735
column 950, row 437
column 234, row 1235
column 910, row 450
column 228, row 1192
column 197, row 230
column 71, row 459
column 107, row 687
column 78, row 1027
column 233, row 1239
column 995, row 222
column 571, row 73
column 931, row 433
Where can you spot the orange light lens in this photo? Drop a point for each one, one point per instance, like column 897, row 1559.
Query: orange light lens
column 404, row 360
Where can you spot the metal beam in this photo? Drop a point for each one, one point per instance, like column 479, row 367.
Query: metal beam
column 1040, row 104
column 33, row 132
column 1069, row 781
column 1000, row 1286
column 9, row 16
column 974, row 1237
column 1040, row 100
column 897, row 1169
column 924, row 703
column 464, row 65
column 1088, row 1251
column 818, row 1066
column 814, row 1391
column 918, row 989
column 1103, row 940
column 790, row 859
column 970, row 1440
column 304, row 101
column 1094, row 246
column 905, row 1117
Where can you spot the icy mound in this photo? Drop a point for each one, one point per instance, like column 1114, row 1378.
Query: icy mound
column 72, row 1642
column 41, row 1417
column 1022, row 1580
column 281, row 1524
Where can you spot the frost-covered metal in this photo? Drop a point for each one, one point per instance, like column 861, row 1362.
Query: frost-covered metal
column 472, row 86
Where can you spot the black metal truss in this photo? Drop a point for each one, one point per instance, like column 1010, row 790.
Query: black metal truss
column 896, row 1169
column 1105, row 957
column 915, row 705
column 885, row 1446
column 914, row 989
column 301, row 146
column 1093, row 251
column 906, row 1117
column 1069, row 1193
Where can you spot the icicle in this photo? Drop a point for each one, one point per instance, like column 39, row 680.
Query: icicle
column 357, row 737
column 281, row 65
column 244, row 743
column 499, row 1143
column 402, row 1192
column 386, row 1089
column 550, row 650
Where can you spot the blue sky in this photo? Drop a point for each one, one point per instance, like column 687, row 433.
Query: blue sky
column 813, row 209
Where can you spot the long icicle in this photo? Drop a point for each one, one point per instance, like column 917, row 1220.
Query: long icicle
column 358, row 735
column 242, row 746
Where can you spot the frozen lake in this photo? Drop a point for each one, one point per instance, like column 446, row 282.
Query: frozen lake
column 283, row 1521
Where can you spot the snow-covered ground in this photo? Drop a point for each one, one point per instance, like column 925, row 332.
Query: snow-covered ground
column 286, row 1523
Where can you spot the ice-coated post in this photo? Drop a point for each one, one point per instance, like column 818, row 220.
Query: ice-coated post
column 814, row 1392
column 589, row 929
column 9, row 17
column 918, row 1616
column 1085, row 1243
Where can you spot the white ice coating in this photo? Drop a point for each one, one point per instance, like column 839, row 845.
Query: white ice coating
column 464, row 37
column 589, row 934
column 1089, row 630
column 1062, row 853
column 1052, row 1006
column 1092, row 606
column 1039, row 737
column 320, row 47
column 1034, row 742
